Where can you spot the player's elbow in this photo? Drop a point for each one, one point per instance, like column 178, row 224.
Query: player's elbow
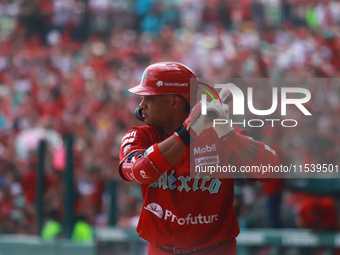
column 141, row 171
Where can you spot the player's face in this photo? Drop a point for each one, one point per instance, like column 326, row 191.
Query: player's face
column 155, row 110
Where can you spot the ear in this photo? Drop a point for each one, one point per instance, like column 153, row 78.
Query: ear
column 176, row 101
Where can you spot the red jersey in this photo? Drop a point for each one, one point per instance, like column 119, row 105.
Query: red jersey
column 182, row 211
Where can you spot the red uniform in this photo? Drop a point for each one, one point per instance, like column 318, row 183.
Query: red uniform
column 181, row 211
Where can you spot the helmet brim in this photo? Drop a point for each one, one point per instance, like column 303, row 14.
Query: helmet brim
column 142, row 91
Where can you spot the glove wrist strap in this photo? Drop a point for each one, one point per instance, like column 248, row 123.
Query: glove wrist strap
column 183, row 134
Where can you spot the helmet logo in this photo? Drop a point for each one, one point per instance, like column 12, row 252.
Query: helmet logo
column 160, row 83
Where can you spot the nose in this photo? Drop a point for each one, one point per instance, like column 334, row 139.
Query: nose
column 142, row 104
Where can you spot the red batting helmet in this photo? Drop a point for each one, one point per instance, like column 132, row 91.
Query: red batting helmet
column 166, row 78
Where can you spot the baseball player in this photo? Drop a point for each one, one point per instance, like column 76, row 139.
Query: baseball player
column 182, row 214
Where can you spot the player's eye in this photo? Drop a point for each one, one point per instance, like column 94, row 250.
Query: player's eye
column 149, row 99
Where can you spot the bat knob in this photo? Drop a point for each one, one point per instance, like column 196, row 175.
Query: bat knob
column 212, row 114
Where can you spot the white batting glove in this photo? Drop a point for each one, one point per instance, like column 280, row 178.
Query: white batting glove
column 220, row 112
column 197, row 122
column 201, row 123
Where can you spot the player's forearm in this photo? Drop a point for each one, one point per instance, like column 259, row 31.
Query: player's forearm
column 257, row 153
column 252, row 153
column 265, row 157
column 249, row 153
column 171, row 149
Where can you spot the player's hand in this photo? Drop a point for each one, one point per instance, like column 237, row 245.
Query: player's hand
column 198, row 122
column 195, row 121
column 220, row 112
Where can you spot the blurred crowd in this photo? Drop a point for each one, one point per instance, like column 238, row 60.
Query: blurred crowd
column 66, row 65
